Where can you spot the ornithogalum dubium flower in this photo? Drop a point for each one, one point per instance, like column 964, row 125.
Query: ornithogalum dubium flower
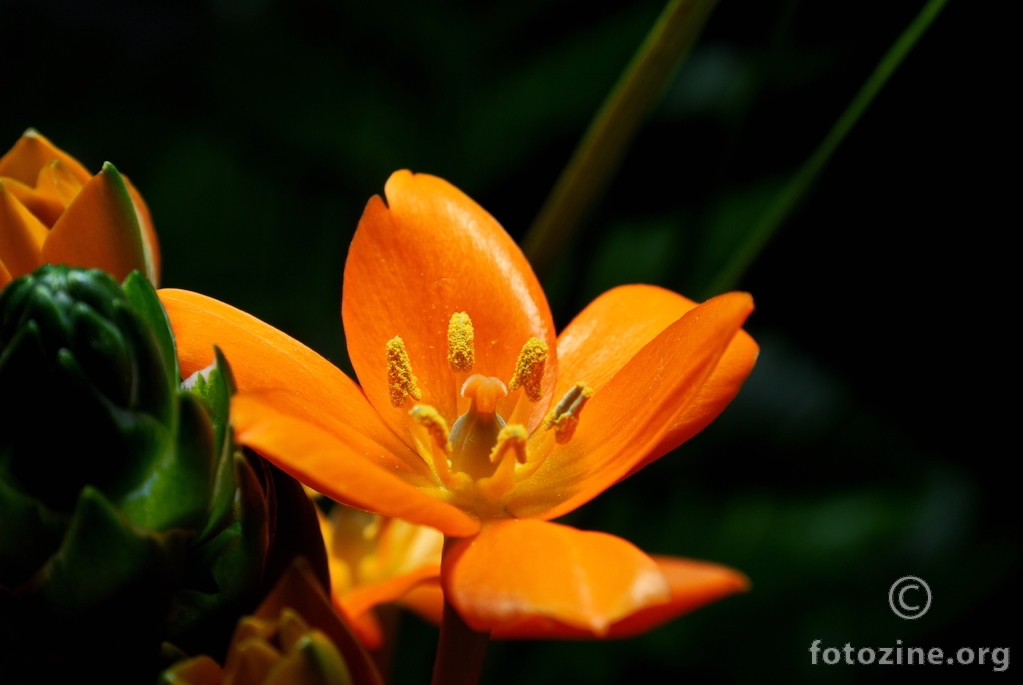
column 376, row 560
column 53, row 211
column 293, row 638
column 474, row 417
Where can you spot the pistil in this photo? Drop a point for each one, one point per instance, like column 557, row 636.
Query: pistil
column 476, row 431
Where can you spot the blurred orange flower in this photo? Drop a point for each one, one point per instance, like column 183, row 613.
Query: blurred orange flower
column 474, row 418
column 52, row 210
column 293, row 638
column 377, row 560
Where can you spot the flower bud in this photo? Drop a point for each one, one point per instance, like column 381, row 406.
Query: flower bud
column 128, row 516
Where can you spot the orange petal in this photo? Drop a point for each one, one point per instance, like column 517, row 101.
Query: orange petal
column 263, row 358
column 341, row 469
column 611, row 330
column 150, row 242
column 615, row 327
column 21, row 235
column 58, row 185
column 714, row 395
column 426, row 600
column 693, row 585
column 99, row 229
column 403, row 547
column 516, row 569
column 41, row 202
column 31, row 153
column 428, row 253
column 298, row 590
column 364, row 597
column 627, row 418
column 365, row 626
column 5, row 275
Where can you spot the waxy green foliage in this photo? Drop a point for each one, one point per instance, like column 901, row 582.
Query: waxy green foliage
column 128, row 516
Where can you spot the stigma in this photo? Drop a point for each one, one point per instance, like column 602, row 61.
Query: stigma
column 476, row 432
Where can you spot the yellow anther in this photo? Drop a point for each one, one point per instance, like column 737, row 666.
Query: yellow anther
column 430, row 418
column 564, row 417
column 529, row 369
column 461, row 343
column 400, row 380
column 511, row 438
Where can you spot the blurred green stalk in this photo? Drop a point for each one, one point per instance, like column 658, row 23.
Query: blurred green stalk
column 601, row 150
column 728, row 277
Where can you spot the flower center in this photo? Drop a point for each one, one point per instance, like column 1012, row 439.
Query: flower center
column 481, row 447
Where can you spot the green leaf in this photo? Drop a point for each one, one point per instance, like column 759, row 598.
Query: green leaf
column 145, row 302
column 155, row 393
column 121, row 445
column 105, row 561
column 176, row 491
column 599, row 153
column 230, row 559
column 30, row 533
column 785, row 202
column 102, row 352
column 214, row 386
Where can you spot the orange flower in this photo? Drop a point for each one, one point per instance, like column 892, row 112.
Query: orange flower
column 474, row 418
column 293, row 638
column 52, row 210
column 375, row 560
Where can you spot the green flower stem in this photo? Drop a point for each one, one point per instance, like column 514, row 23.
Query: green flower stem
column 787, row 200
column 460, row 651
column 601, row 150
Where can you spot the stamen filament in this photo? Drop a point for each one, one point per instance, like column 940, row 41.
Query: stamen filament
column 427, row 416
column 437, row 427
column 512, row 438
column 502, row 483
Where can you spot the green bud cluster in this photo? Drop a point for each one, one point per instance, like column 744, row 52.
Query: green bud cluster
column 128, row 516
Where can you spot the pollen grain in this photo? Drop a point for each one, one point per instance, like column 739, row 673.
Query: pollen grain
column 400, row 380
column 461, row 343
column 529, row 368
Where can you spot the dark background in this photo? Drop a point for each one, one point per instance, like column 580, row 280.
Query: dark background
column 877, row 436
